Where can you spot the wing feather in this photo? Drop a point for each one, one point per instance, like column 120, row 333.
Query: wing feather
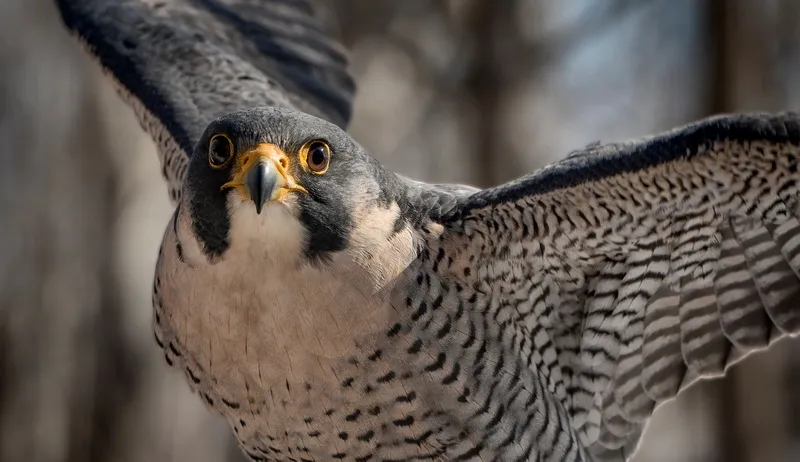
column 182, row 63
column 678, row 254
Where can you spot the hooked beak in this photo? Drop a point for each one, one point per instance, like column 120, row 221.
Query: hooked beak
column 261, row 180
column 261, row 175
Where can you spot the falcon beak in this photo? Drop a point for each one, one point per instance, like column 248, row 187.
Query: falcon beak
column 262, row 175
column 261, row 180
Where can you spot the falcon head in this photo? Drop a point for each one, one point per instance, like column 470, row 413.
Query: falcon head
column 289, row 182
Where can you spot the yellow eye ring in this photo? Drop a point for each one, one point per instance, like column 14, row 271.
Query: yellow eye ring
column 315, row 157
column 220, row 151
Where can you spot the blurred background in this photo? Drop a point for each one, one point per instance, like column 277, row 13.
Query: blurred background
column 473, row 91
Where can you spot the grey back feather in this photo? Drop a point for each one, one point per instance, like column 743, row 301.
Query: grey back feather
column 435, row 201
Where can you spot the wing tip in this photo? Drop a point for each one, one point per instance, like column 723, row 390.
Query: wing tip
column 116, row 64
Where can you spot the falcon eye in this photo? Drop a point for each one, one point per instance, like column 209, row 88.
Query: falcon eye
column 318, row 157
column 220, row 151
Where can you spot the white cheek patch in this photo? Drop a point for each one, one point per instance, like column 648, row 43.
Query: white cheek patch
column 376, row 247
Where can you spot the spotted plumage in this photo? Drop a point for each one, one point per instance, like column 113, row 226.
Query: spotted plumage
column 332, row 310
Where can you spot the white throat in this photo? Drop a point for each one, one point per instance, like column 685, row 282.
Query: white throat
column 261, row 315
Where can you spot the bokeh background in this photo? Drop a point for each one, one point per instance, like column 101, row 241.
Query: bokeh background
column 474, row 91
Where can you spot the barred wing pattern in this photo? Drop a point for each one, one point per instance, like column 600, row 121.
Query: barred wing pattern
column 182, row 63
column 646, row 266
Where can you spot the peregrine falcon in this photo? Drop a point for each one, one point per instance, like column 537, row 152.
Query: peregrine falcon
column 332, row 310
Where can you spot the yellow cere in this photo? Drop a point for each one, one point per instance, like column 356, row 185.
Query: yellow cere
column 264, row 152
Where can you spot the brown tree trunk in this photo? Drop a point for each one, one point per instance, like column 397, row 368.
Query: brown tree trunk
column 64, row 377
column 754, row 73
column 80, row 377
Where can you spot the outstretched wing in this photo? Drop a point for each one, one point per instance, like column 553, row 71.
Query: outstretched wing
column 183, row 63
column 648, row 265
